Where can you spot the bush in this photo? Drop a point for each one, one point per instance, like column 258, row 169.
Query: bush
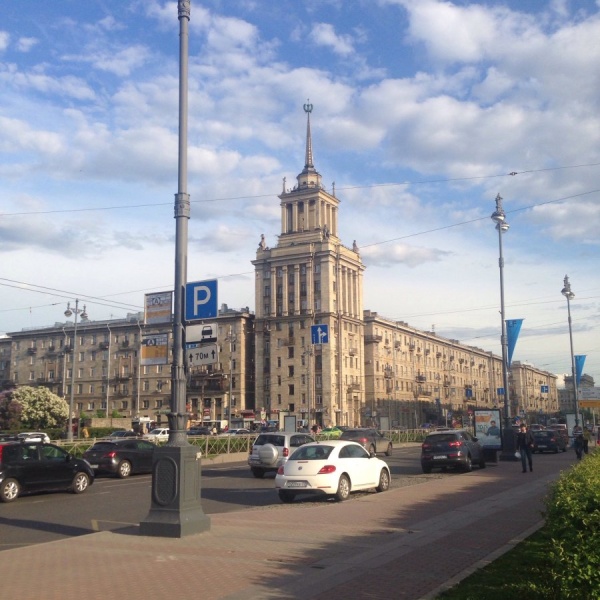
column 573, row 521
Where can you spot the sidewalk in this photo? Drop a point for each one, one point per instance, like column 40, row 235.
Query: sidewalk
column 408, row 543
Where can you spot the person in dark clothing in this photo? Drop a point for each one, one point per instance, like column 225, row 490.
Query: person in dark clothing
column 525, row 447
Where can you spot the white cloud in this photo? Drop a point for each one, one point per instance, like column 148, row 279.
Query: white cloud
column 4, row 39
column 25, row 44
column 386, row 255
column 323, row 34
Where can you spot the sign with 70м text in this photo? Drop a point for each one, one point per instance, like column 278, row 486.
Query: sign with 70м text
column 198, row 355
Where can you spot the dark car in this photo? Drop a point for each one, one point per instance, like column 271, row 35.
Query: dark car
column 560, row 431
column 199, row 431
column 121, row 457
column 451, row 448
column 371, row 440
column 122, row 433
column 548, row 441
column 37, row 467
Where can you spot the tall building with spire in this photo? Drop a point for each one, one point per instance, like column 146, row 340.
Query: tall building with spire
column 309, row 278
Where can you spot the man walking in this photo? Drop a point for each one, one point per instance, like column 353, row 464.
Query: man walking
column 525, row 447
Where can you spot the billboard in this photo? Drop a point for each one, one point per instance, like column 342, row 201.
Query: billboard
column 158, row 308
column 488, row 428
column 155, row 349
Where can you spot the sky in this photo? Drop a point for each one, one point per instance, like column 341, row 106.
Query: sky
column 423, row 112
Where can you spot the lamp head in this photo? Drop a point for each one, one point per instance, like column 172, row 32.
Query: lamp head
column 68, row 312
column 566, row 291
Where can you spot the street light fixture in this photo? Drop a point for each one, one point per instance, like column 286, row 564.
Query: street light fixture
column 69, row 313
column 508, row 438
column 569, row 295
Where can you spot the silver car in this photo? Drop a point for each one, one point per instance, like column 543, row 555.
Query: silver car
column 272, row 449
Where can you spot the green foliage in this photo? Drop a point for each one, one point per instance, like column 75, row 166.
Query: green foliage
column 40, row 408
column 10, row 411
column 573, row 518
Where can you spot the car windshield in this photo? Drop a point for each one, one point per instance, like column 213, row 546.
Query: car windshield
column 103, row 446
column 320, row 452
column 440, row 438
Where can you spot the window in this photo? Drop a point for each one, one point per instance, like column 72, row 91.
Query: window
column 290, row 371
column 291, row 352
column 81, row 356
column 291, row 389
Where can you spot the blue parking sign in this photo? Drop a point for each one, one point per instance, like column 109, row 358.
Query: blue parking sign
column 201, row 300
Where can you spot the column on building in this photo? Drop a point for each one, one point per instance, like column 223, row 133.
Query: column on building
column 273, row 291
column 284, row 290
column 297, row 289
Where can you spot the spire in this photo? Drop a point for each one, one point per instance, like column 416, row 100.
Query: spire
column 309, row 176
column 308, row 162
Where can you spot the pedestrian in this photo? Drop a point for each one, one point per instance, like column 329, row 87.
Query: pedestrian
column 525, row 447
column 587, row 436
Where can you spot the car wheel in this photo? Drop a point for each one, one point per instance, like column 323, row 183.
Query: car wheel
column 81, row 481
column 124, row 469
column 384, row 481
column 286, row 497
column 258, row 473
column 388, row 452
column 9, row 490
column 468, row 467
column 343, row 491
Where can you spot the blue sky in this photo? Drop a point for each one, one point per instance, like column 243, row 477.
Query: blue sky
column 423, row 112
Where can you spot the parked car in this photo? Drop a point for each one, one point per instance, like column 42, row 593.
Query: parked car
column 451, row 448
column 160, row 434
column 371, row 439
column 240, row 431
column 271, row 449
column 560, row 430
column 122, row 433
column 34, row 436
column 37, row 466
column 536, row 427
column 331, row 468
column 199, row 431
column 121, row 457
column 330, row 433
column 548, row 441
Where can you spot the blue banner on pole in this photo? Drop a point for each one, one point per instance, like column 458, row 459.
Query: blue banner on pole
column 513, row 327
column 579, row 362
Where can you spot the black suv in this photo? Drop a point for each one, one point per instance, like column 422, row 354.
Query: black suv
column 372, row 440
column 451, row 448
column 36, row 467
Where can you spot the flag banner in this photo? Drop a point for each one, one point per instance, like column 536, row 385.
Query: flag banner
column 579, row 362
column 513, row 327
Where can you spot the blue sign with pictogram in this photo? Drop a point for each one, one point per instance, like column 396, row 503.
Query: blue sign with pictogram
column 319, row 334
column 201, row 300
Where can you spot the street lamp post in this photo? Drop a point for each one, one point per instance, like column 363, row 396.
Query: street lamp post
column 508, row 438
column 69, row 313
column 176, row 508
column 232, row 338
column 569, row 295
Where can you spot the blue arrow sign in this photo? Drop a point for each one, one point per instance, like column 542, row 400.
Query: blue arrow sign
column 319, row 334
column 201, row 300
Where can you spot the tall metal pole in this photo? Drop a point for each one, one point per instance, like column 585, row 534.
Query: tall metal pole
column 569, row 295
column 508, row 438
column 176, row 508
column 108, row 370
column 68, row 313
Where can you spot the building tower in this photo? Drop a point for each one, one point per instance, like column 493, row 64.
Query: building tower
column 308, row 279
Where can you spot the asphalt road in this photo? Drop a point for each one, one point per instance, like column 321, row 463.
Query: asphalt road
column 113, row 504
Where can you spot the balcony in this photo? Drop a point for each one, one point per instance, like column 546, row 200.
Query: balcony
column 397, row 345
column 288, row 341
column 104, row 345
column 31, row 350
column 125, row 344
column 373, row 339
column 353, row 352
column 411, row 347
column 354, row 387
column 421, row 378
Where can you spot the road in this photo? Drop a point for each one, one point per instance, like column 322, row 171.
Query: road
column 114, row 504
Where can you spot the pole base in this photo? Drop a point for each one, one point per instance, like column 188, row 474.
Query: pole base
column 176, row 509
column 509, row 445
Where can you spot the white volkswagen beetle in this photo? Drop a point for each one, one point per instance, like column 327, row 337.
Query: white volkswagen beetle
column 331, row 468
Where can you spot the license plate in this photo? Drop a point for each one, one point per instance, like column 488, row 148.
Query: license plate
column 542, row 446
column 296, row 484
column 440, row 457
column 94, row 466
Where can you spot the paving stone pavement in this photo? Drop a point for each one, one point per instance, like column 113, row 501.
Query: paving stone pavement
column 408, row 543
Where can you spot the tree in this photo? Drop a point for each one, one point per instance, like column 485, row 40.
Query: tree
column 40, row 408
column 10, row 411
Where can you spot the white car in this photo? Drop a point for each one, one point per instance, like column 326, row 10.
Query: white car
column 331, row 468
column 34, row 436
column 160, row 434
